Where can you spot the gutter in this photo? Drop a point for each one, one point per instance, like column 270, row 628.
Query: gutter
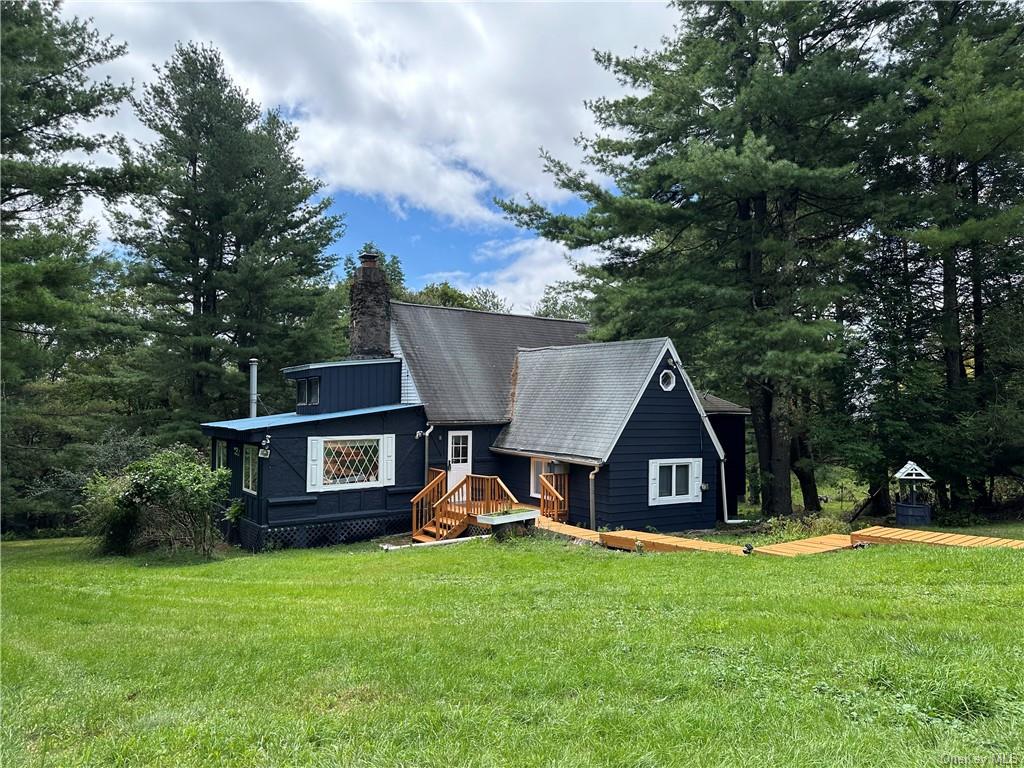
column 725, row 500
column 552, row 456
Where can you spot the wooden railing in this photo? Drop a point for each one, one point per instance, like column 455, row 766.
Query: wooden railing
column 424, row 501
column 554, row 496
column 476, row 495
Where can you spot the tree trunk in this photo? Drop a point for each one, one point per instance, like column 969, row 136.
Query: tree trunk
column 781, row 437
column 803, row 468
column 760, row 417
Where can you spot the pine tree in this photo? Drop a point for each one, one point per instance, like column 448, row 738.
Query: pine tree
column 58, row 319
column 734, row 201
column 228, row 243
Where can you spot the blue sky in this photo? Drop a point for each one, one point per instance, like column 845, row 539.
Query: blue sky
column 415, row 116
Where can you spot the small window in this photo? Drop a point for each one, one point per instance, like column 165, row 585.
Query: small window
column 307, row 391
column 250, row 468
column 220, row 454
column 667, row 381
column 675, row 481
column 540, row 467
column 342, row 463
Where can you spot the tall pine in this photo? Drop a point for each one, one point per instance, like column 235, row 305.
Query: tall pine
column 733, row 202
column 228, row 244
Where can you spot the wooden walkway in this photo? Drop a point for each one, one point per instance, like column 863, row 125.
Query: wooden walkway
column 833, row 542
column 878, row 534
column 569, row 531
column 642, row 541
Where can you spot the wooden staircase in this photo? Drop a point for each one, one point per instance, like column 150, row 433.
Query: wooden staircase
column 439, row 513
column 554, row 496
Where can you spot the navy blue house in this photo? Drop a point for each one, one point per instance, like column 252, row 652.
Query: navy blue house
column 433, row 396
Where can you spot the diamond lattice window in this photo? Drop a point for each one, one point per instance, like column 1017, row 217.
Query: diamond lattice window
column 347, row 462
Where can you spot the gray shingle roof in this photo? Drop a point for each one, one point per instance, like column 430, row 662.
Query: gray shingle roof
column 461, row 360
column 572, row 402
column 713, row 404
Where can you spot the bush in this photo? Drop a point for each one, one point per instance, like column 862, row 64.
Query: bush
column 168, row 499
column 808, row 526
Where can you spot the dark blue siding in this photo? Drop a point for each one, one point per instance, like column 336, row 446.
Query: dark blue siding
column 283, row 475
column 664, row 425
column 347, row 387
column 485, row 462
column 731, row 429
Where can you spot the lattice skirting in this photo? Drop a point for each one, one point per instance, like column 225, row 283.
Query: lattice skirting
column 257, row 538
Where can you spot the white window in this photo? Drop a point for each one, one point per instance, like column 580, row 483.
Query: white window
column 667, row 380
column 540, row 467
column 250, row 468
column 674, row 481
column 220, row 454
column 349, row 462
column 307, row 391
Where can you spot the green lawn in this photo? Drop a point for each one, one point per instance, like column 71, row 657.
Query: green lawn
column 533, row 653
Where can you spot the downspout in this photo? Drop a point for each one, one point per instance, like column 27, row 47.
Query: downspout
column 252, row 387
column 593, row 499
column 725, row 498
column 426, row 452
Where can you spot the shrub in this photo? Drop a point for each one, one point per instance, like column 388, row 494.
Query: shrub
column 787, row 528
column 168, row 499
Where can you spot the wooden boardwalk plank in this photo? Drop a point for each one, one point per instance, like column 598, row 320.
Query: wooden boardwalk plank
column 832, row 542
column 657, row 542
column 877, row 534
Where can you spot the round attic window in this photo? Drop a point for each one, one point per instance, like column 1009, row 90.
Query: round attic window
column 667, row 380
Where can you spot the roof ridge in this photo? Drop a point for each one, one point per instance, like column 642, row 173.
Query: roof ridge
column 605, row 344
column 491, row 312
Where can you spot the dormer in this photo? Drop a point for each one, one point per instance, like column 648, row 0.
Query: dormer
column 346, row 385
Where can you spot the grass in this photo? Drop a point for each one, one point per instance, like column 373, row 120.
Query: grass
column 533, row 653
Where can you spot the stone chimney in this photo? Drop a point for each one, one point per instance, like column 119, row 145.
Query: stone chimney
column 369, row 333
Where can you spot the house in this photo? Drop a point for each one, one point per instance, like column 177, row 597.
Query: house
column 442, row 415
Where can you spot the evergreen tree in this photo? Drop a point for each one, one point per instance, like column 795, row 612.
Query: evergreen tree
column 735, row 200
column 59, row 295
column 228, row 243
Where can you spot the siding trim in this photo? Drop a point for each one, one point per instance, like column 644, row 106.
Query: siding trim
column 409, row 392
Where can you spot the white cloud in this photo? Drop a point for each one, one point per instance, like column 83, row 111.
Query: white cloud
column 431, row 106
column 529, row 264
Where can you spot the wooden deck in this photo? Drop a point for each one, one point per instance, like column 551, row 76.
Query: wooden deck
column 878, row 534
column 814, row 546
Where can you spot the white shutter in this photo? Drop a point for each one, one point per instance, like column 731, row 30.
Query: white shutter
column 652, row 484
column 314, row 457
column 696, row 478
column 387, row 459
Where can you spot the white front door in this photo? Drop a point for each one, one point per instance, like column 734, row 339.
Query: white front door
column 460, row 457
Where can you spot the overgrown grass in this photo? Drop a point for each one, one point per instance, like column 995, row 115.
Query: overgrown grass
column 534, row 653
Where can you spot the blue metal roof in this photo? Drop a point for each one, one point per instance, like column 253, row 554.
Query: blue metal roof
column 287, row 419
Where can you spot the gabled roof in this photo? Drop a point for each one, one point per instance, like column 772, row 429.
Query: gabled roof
column 910, row 471
column 574, row 402
column 287, row 419
column 461, row 359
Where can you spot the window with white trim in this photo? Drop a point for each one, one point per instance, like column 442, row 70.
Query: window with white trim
column 667, row 380
column 307, row 391
column 220, row 454
column 250, row 468
column 349, row 462
column 540, row 467
column 674, row 481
